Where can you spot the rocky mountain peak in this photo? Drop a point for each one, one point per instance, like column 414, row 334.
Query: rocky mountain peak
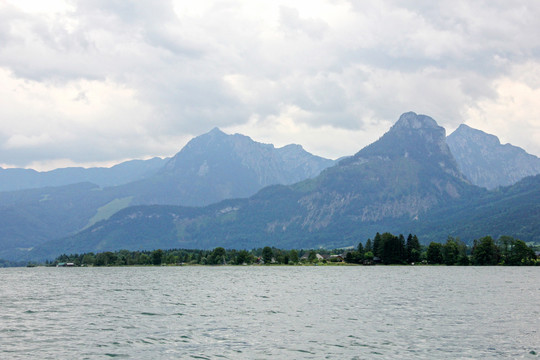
column 216, row 166
column 411, row 120
column 486, row 162
column 214, row 133
column 413, row 135
column 467, row 133
column 415, row 138
column 420, row 128
column 216, row 130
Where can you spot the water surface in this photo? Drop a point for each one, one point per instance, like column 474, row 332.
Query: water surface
column 270, row 312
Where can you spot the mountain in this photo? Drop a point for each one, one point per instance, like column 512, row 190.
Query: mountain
column 405, row 173
column 512, row 210
column 128, row 171
column 486, row 162
column 31, row 217
column 390, row 185
column 210, row 168
column 217, row 166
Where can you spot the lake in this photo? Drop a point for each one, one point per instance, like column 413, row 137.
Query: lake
column 257, row 312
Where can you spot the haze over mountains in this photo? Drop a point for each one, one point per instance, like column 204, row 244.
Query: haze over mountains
column 407, row 181
column 19, row 179
column 216, row 166
column 486, row 162
column 482, row 159
column 210, row 168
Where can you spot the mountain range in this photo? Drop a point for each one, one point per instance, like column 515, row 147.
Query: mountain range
column 480, row 157
column 210, row 168
column 413, row 179
column 123, row 173
column 406, row 182
column 216, row 166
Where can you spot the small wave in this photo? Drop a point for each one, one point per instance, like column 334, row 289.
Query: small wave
column 117, row 355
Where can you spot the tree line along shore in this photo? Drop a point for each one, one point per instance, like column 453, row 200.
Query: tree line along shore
column 386, row 249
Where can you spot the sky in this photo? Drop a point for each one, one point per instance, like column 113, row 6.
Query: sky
column 97, row 82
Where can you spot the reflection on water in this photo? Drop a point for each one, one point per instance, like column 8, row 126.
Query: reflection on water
column 270, row 312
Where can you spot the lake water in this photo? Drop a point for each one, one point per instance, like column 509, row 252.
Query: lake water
column 393, row 312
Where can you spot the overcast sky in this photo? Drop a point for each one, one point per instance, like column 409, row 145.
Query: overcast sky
column 96, row 82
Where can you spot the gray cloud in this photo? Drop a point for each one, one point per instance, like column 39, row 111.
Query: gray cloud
column 134, row 79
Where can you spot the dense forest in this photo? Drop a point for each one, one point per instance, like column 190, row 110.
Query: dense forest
column 384, row 249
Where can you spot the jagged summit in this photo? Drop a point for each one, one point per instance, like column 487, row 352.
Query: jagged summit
column 413, row 136
column 215, row 132
column 486, row 162
column 411, row 120
column 405, row 173
column 472, row 134
column 216, row 166
column 404, row 180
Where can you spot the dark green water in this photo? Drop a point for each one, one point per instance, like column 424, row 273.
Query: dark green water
column 270, row 313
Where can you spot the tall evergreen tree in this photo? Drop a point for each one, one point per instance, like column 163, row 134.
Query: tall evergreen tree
column 413, row 249
column 360, row 251
column 402, row 250
column 377, row 245
column 393, row 249
column 369, row 246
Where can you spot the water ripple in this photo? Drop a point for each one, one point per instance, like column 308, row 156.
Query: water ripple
column 270, row 312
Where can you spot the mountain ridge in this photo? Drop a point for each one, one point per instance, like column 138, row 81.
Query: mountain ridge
column 488, row 163
column 216, row 166
column 71, row 208
column 380, row 187
column 408, row 181
column 14, row 179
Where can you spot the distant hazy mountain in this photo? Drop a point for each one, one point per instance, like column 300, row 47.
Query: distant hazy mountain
column 18, row 179
column 406, row 182
column 391, row 185
column 217, row 166
column 486, row 162
column 210, row 168
column 31, row 217
column 513, row 210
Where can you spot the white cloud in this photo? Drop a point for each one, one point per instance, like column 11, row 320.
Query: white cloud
column 326, row 139
column 513, row 115
column 24, row 141
column 89, row 121
column 43, row 7
column 99, row 81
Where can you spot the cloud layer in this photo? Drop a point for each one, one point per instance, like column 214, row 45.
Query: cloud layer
column 90, row 82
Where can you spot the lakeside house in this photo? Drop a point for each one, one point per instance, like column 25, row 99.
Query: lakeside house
column 319, row 257
column 64, row 264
